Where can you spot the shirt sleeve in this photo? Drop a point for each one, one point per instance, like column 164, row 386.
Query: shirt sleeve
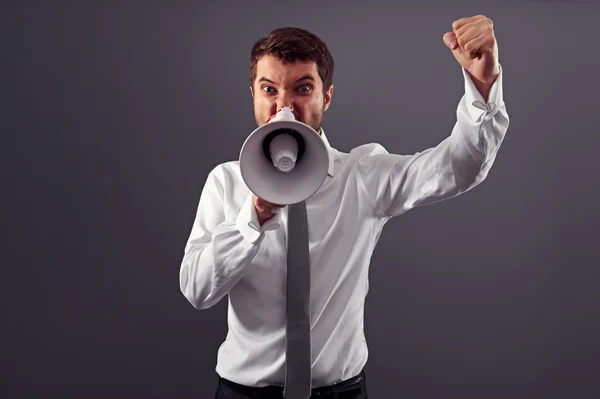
column 218, row 251
column 393, row 184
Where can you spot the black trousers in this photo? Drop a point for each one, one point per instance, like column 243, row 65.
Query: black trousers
column 352, row 388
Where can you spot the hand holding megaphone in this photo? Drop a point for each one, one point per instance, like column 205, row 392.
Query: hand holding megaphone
column 264, row 209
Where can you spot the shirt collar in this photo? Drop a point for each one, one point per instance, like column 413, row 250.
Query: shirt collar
column 330, row 153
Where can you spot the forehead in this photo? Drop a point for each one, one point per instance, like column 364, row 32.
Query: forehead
column 274, row 69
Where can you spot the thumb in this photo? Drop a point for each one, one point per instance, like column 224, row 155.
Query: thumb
column 451, row 42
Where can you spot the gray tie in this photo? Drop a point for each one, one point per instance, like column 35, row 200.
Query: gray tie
column 298, row 349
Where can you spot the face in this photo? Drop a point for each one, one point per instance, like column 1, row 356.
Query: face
column 296, row 85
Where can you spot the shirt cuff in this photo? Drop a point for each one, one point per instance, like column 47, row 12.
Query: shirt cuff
column 474, row 101
column 247, row 222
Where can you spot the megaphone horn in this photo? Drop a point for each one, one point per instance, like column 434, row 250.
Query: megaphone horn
column 284, row 161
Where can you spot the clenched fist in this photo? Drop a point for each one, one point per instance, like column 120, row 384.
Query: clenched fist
column 264, row 209
column 474, row 46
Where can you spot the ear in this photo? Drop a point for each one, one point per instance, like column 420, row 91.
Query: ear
column 328, row 95
column 251, row 91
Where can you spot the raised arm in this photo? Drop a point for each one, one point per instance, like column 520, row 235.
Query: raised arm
column 397, row 183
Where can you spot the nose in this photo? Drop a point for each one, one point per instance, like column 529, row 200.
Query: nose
column 284, row 100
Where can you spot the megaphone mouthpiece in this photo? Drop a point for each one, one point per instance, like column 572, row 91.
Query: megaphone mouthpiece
column 284, row 152
column 296, row 151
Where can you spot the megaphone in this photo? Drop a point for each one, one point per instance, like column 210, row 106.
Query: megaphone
column 284, row 161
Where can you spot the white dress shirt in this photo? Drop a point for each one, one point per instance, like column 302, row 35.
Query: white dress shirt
column 229, row 253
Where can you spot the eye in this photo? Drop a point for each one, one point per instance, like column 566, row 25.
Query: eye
column 305, row 88
column 268, row 89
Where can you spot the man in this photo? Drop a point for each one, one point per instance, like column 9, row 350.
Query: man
column 237, row 246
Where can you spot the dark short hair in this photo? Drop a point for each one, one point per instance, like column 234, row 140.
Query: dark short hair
column 294, row 44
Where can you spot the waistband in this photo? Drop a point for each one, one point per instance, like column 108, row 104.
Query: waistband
column 353, row 383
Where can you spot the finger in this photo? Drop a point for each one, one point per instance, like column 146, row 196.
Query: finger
column 479, row 45
column 262, row 203
column 479, row 24
column 276, row 207
column 467, row 36
column 471, row 48
column 463, row 29
column 460, row 23
column 260, row 209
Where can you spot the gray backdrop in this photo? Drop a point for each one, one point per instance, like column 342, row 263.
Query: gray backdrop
column 113, row 113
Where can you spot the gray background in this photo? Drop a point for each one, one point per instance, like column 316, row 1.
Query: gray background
column 113, row 113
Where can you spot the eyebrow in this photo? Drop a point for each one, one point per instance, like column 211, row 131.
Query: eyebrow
column 305, row 77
